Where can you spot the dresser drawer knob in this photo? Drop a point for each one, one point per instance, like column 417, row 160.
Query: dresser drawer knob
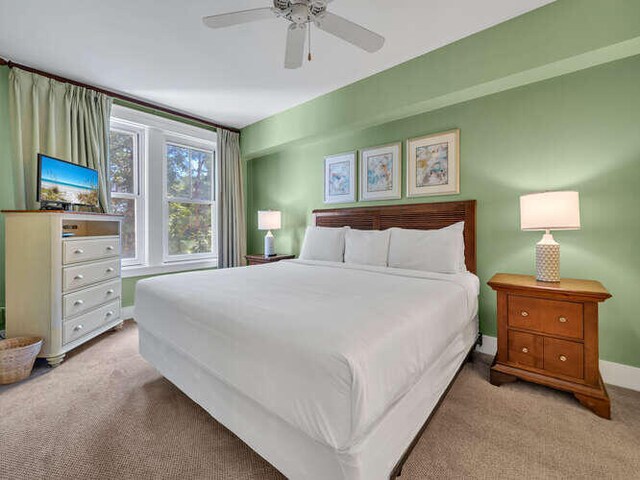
column 525, row 350
column 110, row 248
column 77, row 303
column 110, row 292
column 108, row 314
column 562, row 320
column 78, row 277
column 110, row 270
column 563, row 358
column 77, row 328
column 524, row 313
column 78, row 251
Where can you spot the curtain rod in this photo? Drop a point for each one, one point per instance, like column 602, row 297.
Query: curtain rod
column 117, row 95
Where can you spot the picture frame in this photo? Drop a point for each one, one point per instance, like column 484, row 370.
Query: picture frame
column 380, row 172
column 340, row 178
column 433, row 164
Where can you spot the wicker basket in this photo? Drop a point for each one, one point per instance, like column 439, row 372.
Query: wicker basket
column 17, row 356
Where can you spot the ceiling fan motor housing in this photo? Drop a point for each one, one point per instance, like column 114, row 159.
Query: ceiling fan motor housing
column 300, row 11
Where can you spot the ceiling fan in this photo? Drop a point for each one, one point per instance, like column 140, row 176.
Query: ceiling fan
column 302, row 14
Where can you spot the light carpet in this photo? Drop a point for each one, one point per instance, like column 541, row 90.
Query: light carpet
column 107, row 414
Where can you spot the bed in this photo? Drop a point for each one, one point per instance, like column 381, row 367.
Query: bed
column 328, row 370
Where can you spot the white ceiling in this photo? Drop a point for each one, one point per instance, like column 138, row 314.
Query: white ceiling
column 160, row 51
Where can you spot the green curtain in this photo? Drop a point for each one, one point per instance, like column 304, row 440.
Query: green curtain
column 232, row 235
column 61, row 120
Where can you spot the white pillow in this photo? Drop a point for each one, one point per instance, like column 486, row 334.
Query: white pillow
column 367, row 247
column 323, row 243
column 428, row 250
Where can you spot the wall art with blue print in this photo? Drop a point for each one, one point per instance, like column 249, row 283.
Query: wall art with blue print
column 380, row 172
column 433, row 164
column 339, row 178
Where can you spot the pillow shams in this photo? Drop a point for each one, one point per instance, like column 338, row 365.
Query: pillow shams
column 428, row 250
column 367, row 247
column 323, row 243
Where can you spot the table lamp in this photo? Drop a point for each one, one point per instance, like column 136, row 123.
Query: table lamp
column 269, row 220
column 549, row 211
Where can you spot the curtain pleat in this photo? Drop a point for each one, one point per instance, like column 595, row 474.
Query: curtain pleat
column 61, row 120
column 231, row 214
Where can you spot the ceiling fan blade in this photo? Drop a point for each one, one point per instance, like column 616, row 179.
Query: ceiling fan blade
column 350, row 32
column 236, row 18
column 296, row 37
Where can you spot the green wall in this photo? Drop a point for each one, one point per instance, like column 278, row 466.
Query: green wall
column 562, row 37
column 578, row 131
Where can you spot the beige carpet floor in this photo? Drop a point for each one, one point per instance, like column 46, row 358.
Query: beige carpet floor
column 107, row 414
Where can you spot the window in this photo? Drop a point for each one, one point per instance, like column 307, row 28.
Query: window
column 189, row 205
column 163, row 183
column 126, row 187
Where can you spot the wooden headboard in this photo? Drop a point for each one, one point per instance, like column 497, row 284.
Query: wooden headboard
column 421, row 216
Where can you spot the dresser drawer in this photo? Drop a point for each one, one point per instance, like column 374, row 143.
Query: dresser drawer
column 525, row 349
column 84, row 275
column 75, row 251
column 547, row 316
column 79, row 302
column 80, row 326
column 564, row 357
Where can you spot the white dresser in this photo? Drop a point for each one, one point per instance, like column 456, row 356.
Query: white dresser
column 62, row 277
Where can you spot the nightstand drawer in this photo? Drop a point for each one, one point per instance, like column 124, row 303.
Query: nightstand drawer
column 564, row 357
column 548, row 316
column 526, row 349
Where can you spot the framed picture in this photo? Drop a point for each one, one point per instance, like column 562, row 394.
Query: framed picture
column 340, row 178
column 433, row 164
column 380, row 172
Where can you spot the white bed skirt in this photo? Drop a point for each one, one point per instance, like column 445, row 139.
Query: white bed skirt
column 290, row 450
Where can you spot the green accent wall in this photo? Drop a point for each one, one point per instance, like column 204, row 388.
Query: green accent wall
column 562, row 37
column 574, row 131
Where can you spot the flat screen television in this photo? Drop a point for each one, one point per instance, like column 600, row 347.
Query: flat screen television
column 62, row 184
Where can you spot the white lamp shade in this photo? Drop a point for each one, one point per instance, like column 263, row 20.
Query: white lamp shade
column 269, row 220
column 550, row 211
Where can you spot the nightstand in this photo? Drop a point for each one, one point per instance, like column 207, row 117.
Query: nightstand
column 548, row 334
column 259, row 259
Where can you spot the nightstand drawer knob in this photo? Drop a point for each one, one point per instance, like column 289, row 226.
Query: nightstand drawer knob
column 563, row 358
column 525, row 350
column 562, row 320
column 524, row 313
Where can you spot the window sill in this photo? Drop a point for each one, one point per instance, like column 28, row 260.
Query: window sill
column 173, row 267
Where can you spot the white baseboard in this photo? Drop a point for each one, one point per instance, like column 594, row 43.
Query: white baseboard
column 612, row 373
column 126, row 312
column 489, row 345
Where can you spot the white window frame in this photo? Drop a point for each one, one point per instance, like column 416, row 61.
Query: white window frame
column 195, row 144
column 139, row 135
column 157, row 130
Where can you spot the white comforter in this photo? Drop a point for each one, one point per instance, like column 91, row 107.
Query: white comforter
column 327, row 347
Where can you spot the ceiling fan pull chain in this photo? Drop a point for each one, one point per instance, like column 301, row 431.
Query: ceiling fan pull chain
column 310, row 24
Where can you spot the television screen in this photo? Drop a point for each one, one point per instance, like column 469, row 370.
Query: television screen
column 64, row 182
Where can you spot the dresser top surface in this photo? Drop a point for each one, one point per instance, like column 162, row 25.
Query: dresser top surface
column 570, row 286
column 59, row 212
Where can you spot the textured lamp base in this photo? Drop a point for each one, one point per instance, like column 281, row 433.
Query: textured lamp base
column 548, row 262
column 269, row 248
